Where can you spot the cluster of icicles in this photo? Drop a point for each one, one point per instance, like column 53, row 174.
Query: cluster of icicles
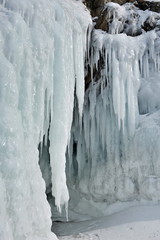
column 114, row 156
column 42, row 47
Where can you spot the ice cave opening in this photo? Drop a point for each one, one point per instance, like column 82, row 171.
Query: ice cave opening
column 80, row 112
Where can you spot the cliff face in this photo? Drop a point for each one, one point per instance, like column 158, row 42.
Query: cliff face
column 150, row 5
column 96, row 6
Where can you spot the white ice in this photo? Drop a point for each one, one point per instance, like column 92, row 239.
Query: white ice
column 42, row 51
column 39, row 67
column 117, row 151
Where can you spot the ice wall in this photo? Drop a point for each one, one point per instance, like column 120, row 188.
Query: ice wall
column 42, row 46
column 115, row 155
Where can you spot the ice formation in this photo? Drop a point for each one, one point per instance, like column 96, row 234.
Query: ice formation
column 115, row 156
column 42, row 47
column 112, row 144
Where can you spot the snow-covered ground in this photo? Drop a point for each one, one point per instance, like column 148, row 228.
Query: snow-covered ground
column 134, row 223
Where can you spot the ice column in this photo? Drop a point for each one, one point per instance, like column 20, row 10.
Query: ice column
column 101, row 167
column 38, row 72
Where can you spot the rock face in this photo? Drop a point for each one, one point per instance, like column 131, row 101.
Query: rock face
column 151, row 23
column 92, row 4
column 96, row 6
column 150, row 5
column 107, row 14
column 117, row 19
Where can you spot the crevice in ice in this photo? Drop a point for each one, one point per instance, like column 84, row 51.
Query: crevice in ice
column 44, row 162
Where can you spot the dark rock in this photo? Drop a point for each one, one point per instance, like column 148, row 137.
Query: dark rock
column 95, row 73
column 107, row 17
column 112, row 21
column 103, row 21
column 151, row 23
column 94, row 3
column 153, row 6
column 96, row 6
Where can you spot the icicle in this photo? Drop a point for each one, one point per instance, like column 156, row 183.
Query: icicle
column 37, row 99
column 108, row 143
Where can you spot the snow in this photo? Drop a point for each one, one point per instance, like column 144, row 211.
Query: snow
column 37, row 40
column 148, row 95
column 140, row 222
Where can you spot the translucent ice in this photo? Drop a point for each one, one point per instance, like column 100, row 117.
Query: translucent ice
column 116, row 154
column 39, row 67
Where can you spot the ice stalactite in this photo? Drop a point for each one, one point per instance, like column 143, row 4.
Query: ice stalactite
column 113, row 149
column 39, row 69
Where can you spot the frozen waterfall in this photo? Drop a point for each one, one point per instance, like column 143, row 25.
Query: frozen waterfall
column 115, row 156
column 42, row 48
column 96, row 147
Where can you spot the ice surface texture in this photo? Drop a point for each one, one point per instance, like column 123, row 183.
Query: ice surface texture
column 42, row 45
column 116, row 156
